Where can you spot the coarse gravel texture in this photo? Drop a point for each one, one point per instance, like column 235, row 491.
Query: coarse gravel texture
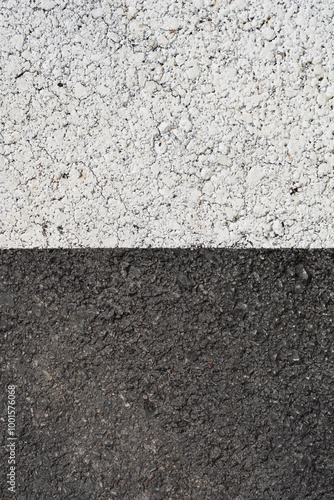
column 169, row 374
column 166, row 123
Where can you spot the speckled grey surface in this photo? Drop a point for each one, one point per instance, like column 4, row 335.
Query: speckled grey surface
column 169, row 374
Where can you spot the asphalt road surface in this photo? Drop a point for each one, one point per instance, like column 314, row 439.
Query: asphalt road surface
column 167, row 374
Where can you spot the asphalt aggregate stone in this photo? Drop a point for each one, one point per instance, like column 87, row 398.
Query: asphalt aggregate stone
column 169, row 374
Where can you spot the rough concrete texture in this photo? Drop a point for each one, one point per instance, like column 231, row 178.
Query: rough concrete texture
column 167, row 375
column 166, row 123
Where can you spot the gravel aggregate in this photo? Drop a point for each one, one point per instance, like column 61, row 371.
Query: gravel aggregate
column 169, row 374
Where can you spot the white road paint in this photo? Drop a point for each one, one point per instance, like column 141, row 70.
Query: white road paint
column 166, row 123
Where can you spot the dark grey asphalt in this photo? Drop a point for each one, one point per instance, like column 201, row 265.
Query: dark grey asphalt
column 169, row 374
